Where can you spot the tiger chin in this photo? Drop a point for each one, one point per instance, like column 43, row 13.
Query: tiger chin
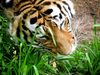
column 48, row 18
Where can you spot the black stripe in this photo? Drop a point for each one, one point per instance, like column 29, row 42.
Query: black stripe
column 24, row 27
column 46, row 3
column 41, row 15
column 58, row 5
column 21, row 1
column 31, row 35
column 29, row 12
column 50, row 17
column 67, row 21
column 55, row 16
column 68, row 7
column 24, row 6
column 37, row 26
column 38, row 7
column 40, row 1
column 65, row 3
column 16, row 13
column 18, row 32
column 61, row 24
column 24, row 10
column 32, row 12
column 25, row 16
column 25, row 36
column 33, row 20
column 45, row 36
column 67, row 11
column 60, row 15
column 48, row 11
column 23, row 22
column 63, row 13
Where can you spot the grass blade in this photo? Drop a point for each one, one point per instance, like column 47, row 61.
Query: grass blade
column 36, row 70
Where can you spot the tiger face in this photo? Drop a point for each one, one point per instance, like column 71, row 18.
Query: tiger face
column 65, row 41
column 50, row 20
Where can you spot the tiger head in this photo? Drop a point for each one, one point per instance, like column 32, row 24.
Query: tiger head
column 64, row 41
column 61, row 40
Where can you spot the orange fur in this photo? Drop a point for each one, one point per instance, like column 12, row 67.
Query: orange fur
column 63, row 38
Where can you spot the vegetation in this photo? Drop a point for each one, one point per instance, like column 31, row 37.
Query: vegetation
column 24, row 59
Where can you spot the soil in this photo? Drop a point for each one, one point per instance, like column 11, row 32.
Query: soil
column 84, row 19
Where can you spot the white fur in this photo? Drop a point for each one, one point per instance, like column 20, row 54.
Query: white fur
column 56, row 11
column 7, row 1
column 71, row 6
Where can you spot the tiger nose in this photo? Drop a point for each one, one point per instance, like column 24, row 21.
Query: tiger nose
column 68, row 48
column 74, row 44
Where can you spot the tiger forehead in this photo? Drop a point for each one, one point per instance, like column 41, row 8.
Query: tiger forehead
column 36, row 11
column 22, row 3
column 55, row 11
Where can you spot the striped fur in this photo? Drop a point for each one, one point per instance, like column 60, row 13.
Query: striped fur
column 39, row 17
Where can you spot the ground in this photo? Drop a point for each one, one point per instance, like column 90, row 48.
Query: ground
column 84, row 19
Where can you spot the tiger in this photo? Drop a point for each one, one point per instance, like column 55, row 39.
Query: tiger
column 49, row 20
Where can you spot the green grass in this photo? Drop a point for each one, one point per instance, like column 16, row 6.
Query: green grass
column 24, row 59
column 96, row 25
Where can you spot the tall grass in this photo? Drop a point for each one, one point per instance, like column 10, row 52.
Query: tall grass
column 24, row 59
